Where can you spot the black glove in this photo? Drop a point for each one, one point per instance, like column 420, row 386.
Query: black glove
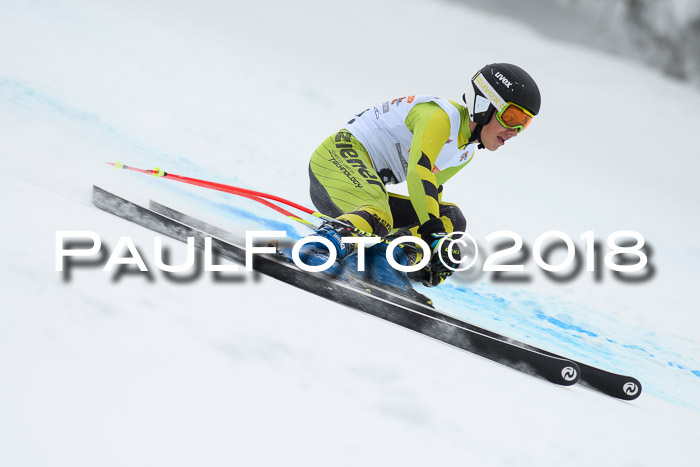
column 436, row 271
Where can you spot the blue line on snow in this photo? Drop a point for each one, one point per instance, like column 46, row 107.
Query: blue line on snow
column 572, row 327
column 20, row 93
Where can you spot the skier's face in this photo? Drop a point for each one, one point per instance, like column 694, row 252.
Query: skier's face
column 494, row 135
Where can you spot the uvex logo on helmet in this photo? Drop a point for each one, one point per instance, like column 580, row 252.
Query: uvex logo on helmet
column 503, row 79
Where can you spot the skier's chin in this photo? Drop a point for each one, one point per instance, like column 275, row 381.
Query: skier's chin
column 493, row 146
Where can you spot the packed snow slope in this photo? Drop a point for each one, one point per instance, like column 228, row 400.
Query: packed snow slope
column 137, row 369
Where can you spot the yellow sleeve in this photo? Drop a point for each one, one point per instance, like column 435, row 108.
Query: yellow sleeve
column 448, row 173
column 430, row 126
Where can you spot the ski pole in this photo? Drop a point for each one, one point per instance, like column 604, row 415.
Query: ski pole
column 216, row 186
column 260, row 197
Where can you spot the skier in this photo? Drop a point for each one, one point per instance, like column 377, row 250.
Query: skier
column 423, row 140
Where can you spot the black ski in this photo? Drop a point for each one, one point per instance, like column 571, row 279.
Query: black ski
column 427, row 322
column 613, row 384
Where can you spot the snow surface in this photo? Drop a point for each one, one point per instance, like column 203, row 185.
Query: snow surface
column 98, row 370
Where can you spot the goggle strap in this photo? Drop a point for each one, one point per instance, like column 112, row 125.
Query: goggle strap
column 490, row 93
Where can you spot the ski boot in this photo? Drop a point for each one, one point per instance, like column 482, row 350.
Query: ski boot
column 335, row 233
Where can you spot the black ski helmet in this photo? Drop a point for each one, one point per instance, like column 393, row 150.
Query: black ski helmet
column 500, row 83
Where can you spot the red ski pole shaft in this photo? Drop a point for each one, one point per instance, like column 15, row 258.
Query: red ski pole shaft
column 260, row 197
column 243, row 192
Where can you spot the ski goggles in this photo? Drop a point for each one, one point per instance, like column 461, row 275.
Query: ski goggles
column 514, row 117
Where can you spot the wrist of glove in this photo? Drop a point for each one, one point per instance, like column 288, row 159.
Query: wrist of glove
column 437, row 270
